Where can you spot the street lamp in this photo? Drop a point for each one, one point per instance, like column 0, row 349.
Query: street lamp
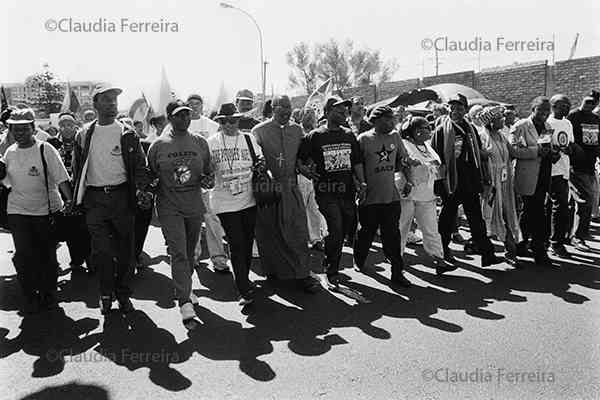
column 260, row 42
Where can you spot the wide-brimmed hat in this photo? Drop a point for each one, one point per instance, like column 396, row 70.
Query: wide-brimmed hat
column 21, row 116
column 227, row 110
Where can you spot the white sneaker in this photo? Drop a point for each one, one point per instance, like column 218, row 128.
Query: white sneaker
column 187, row 312
column 220, row 263
column 194, row 299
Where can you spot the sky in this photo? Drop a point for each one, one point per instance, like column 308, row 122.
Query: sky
column 216, row 46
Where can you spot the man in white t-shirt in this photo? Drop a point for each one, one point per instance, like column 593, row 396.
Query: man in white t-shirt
column 557, row 205
column 214, row 231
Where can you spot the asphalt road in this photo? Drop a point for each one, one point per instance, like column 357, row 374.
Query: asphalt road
column 495, row 333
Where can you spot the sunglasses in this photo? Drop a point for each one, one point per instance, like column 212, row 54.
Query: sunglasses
column 231, row 121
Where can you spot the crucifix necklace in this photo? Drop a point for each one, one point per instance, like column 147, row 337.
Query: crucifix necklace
column 281, row 157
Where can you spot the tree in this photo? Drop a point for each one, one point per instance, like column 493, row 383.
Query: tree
column 339, row 61
column 304, row 68
column 369, row 68
column 333, row 62
column 43, row 92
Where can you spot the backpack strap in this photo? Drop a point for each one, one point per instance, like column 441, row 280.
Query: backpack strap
column 45, row 167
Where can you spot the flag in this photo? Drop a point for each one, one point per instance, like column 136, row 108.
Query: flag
column 317, row 99
column 574, row 47
column 70, row 101
column 222, row 97
column 3, row 100
column 166, row 94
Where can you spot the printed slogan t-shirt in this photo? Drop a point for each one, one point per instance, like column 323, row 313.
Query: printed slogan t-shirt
column 382, row 155
column 233, row 172
column 335, row 152
column 179, row 162
column 586, row 131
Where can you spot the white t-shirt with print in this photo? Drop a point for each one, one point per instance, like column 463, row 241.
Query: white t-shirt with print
column 105, row 160
column 233, row 172
column 25, row 176
column 203, row 126
column 561, row 137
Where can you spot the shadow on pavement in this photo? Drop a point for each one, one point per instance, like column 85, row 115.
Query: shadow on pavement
column 71, row 390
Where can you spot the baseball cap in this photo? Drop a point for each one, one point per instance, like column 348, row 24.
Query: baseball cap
column 175, row 106
column 244, row 94
column 65, row 116
column 103, row 88
column 21, row 116
column 334, row 101
column 593, row 96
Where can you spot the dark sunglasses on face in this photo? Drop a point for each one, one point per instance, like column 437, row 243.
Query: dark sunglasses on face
column 231, row 121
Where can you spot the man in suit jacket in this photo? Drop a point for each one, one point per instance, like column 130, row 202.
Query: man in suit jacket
column 531, row 145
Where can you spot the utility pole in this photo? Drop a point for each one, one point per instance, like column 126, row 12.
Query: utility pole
column 437, row 62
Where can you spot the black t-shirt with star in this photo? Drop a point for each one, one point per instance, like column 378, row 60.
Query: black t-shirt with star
column 335, row 153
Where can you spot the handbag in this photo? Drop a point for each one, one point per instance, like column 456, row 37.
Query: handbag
column 266, row 191
column 59, row 222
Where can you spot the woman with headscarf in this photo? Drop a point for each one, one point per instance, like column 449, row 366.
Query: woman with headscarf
column 498, row 200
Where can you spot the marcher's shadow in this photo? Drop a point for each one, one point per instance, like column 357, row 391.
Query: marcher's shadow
column 70, row 391
column 154, row 286
column 51, row 336
column 220, row 339
column 80, row 287
column 134, row 341
column 218, row 286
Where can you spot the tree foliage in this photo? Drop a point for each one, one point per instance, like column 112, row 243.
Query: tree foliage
column 44, row 93
column 346, row 65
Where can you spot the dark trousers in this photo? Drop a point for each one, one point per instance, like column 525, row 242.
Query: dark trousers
column 142, row 224
column 78, row 241
column 35, row 253
column 340, row 214
column 472, row 208
column 585, row 185
column 557, row 210
column 386, row 217
column 111, row 225
column 239, row 231
column 533, row 219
